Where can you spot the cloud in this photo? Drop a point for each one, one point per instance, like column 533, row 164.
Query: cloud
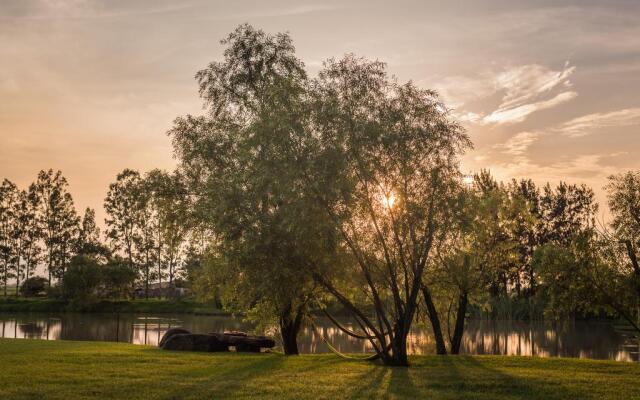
column 458, row 90
column 525, row 83
column 519, row 144
column 520, row 113
column 515, row 158
column 523, row 90
column 586, row 124
column 526, row 89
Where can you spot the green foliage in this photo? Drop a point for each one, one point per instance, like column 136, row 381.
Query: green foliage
column 384, row 170
column 137, row 306
column 34, row 286
column 148, row 221
column 82, row 280
column 59, row 221
column 8, row 199
column 242, row 162
column 117, row 278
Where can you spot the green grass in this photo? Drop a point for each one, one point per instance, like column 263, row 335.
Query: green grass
column 11, row 290
column 31, row 369
column 14, row 304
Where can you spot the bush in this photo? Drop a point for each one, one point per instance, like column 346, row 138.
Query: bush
column 82, row 280
column 117, row 278
column 34, row 286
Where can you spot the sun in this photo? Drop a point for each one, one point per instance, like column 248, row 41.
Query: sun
column 388, row 199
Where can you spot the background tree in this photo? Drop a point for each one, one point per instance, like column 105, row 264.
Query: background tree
column 58, row 219
column 88, row 240
column 477, row 253
column 623, row 245
column 8, row 253
column 144, row 238
column 82, row 281
column 29, row 232
column 525, row 231
column 171, row 203
column 566, row 211
column 117, row 277
column 33, row 286
column 121, row 205
column 624, row 203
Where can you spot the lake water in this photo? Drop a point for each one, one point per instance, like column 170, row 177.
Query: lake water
column 599, row 340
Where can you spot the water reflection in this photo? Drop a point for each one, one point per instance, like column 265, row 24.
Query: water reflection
column 571, row 339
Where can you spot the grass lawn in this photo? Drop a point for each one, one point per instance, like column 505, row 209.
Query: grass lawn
column 32, row 369
column 11, row 291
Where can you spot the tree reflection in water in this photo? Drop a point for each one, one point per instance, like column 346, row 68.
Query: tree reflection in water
column 569, row 339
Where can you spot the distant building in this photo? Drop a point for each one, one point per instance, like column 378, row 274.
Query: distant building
column 161, row 289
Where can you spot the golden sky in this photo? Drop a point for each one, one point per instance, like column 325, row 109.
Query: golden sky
column 547, row 89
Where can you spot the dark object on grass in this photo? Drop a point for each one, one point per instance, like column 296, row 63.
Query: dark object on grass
column 245, row 343
column 194, row 342
column 169, row 333
column 183, row 340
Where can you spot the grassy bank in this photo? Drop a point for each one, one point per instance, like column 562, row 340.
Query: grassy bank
column 110, row 306
column 32, row 369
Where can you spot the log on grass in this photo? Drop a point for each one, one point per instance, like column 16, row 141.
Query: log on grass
column 243, row 342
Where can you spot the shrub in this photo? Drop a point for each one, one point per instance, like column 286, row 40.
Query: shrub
column 34, row 286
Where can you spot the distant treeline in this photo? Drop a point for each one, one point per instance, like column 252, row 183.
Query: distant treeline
column 145, row 240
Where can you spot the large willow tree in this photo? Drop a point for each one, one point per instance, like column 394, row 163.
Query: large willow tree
column 243, row 161
column 385, row 171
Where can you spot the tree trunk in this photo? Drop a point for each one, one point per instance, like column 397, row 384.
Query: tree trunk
column 290, row 328
column 289, row 331
column 435, row 321
column 459, row 328
column 49, row 269
column 399, row 348
column 634, row 263
column 4, row 280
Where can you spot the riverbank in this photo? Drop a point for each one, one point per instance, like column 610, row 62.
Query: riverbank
column 157, row 306
column 79, row 370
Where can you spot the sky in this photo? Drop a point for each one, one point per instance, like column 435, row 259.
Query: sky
column 546, row 89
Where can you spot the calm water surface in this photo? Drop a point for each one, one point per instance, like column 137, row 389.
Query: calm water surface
column 598, row 340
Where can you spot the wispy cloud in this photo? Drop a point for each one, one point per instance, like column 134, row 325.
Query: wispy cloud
column 525, row 83
column 521, row 112
column 526, row 89
column 519, row 144
column 587, row 124
column 523, row 90
column 458, row 90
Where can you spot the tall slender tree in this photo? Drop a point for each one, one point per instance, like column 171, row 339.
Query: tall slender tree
column 144, row 238
column 30, row 230
column 88, row 240
column 8, row 199
column 121, row 206
column 170, row 201
column 58, row 219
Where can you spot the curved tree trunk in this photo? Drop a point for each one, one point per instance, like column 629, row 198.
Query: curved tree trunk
column 435, row 322
column 458, row 332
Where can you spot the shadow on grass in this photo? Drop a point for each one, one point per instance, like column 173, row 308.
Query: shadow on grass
column 468, row 376
column 224, row 381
